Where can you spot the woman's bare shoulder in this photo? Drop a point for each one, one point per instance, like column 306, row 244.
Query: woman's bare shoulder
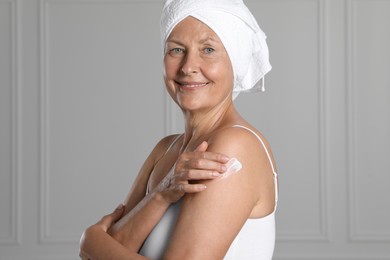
column 162, row 146
column 235, row 140
column 246, row 144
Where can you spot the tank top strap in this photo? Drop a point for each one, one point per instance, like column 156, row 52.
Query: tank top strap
column 173, row 143
column 269, row 158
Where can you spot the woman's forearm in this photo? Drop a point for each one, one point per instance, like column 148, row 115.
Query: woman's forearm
column 133, row 228
column 97, row 244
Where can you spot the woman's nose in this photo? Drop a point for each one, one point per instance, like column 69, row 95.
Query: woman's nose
column 190, row 63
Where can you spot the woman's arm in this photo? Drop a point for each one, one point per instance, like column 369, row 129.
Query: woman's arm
column 141, row 213
column 132, row 229
column 209, row 221
column 95, row 241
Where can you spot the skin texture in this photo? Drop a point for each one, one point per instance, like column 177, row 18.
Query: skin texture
column 199, row 78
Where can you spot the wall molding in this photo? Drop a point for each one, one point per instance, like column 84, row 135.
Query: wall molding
column 351, row 52
column 44, row 151
column 15, row 236
column 324, row 234
column 45, row 234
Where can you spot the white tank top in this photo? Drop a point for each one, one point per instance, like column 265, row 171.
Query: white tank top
column 255, row 241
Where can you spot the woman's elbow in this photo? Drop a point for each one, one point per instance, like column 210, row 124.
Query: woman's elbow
column 85, row 243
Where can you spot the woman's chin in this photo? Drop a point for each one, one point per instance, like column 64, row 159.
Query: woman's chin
column 190, row 106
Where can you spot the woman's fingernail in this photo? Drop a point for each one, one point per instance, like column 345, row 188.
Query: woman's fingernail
column 120, row 206
column 223, row 168
column 215, row 174
column 225, row 158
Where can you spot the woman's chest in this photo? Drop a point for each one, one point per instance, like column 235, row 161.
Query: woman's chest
column 162, row 168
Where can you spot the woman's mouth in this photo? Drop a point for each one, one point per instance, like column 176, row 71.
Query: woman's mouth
column 191, row 85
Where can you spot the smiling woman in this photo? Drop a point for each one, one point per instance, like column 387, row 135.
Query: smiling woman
column 198, row 71
column 176, row 208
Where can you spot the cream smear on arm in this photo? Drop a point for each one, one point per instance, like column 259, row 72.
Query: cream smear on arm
column 232, row 167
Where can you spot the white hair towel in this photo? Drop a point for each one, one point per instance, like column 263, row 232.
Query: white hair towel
column 238, row 30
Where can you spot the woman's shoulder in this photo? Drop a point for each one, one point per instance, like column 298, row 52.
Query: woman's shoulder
column 166, row 141
column 238, row 137
column 163, row 146
column 245, row 143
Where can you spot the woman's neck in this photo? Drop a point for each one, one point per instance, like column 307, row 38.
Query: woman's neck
column 201, row 124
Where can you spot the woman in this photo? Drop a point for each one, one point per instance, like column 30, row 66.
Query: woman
column 211, row 192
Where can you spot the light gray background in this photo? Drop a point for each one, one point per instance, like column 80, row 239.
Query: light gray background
column 82, row 104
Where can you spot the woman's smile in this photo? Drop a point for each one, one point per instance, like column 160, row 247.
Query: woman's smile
column 190, row 86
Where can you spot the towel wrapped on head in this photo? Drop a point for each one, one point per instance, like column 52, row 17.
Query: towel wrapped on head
column 238, row 30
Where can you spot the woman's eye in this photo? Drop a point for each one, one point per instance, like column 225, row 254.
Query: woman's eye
column 208, row 50
column 176, row 51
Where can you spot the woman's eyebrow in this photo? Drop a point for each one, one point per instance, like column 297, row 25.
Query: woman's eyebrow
column 201, row 41
column 174, row 41
column 207, row 39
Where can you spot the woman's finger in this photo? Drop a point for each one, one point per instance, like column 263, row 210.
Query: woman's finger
column 196, row 174
column 201, row 152
column 218, row 157
column 191, row 188
column 111, row 218
column 205, row 164
column 202, row 147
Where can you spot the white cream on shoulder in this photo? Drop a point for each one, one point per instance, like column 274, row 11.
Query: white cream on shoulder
column 232, row 167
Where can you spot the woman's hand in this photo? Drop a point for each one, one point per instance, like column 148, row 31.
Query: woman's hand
column 190, row 168
column 92, row 233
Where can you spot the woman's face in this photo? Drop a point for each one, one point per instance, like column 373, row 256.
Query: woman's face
column 198, row 72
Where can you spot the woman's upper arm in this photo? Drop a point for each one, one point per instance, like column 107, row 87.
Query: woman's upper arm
column 210, row 220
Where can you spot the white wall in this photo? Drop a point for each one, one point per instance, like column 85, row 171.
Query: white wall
column 82, row 103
